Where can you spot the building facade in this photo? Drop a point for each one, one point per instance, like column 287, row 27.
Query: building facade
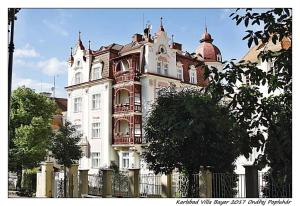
column 110, row 91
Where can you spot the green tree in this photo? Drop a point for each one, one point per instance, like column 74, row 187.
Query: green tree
column 256, row 112
column 186, row 130
column 30, row 130
column 65, row 148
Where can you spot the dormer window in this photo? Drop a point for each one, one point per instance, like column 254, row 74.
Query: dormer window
column 219, row 57
column 78, row 63
column 78, row 78
column 162, row 49
column 96, row 73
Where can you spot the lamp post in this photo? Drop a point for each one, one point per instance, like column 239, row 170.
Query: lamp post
column 11, row 22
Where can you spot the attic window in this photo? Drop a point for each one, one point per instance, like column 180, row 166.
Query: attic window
column 78, row 63
column 162, row 49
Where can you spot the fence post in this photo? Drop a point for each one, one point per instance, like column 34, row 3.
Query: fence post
column 166, row 183
column 205, row 183
column 45, row 180
column 251, row 177
column 134, row 184
column 83, row 182
column 73, row 180
column 107, row 183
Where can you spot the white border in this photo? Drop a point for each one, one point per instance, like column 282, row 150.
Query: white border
column 133, row 4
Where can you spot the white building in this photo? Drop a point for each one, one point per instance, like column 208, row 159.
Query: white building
column 266, row 66
column 111, row 89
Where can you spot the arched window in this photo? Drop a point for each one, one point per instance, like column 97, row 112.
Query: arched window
column 162, row 49
column 122, row 66
column 219, row 57
column 180, row 73
column 193, row 75
column 78, row 78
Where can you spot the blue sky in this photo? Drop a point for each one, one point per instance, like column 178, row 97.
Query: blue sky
column 43, row 37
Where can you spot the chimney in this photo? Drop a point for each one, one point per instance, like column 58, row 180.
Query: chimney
column 177, row 46
column 137, row 38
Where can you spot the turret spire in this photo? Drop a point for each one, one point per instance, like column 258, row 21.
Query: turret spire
column 79, row 34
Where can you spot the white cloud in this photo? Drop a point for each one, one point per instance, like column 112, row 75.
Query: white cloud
column 26, row 51
column 31, row 83
column 52, row 66
column 38, row 86
column 56, row 28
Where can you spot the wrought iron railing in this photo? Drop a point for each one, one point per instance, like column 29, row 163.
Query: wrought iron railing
column 150, row 185
column 95, row 184
column 270, row 187
column 120, row 184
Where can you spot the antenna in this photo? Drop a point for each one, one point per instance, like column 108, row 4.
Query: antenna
column 205, row 24
column 143, row 22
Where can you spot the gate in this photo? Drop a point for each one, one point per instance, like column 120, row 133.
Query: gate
column 150, row 185
column 58, row 184
column 181, row 183
column 226, row 185
column 95, row 184
column 120, row 184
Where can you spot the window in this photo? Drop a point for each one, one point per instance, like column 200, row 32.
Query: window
column 96, row 73
column 96, row 101
column 158, row 67
column 78, row 63
column 125, row 160
column 179, row 73
column 78, row 78
column 137, row 129
column 193, row 76
column 219, row 57
column 166, row 69
column 137, row 98
column 96, row 130
column 77, row 104
column 95, row 159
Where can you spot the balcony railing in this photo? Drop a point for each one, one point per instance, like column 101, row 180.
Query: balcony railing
column 123, row 77
column 121, row 108
column 120, row 138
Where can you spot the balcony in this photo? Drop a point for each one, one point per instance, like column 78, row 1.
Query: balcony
column 121, row 139
column 119, row 108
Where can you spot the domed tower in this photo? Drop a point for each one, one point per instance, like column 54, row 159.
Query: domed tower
column 208, row 52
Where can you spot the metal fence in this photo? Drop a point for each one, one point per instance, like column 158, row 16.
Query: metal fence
column 225, row 185
column 120, row 184
column 58, row 184
column 95, row 184
column 150, row 185
column 12, row 181
column 181, row 183
column 270, row 187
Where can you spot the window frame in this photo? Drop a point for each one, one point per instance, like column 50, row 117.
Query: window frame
column 77, row 105
column 96, row 103
column 78, row 78
column 95, row 156
column 97, row 130
column 125, row 160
